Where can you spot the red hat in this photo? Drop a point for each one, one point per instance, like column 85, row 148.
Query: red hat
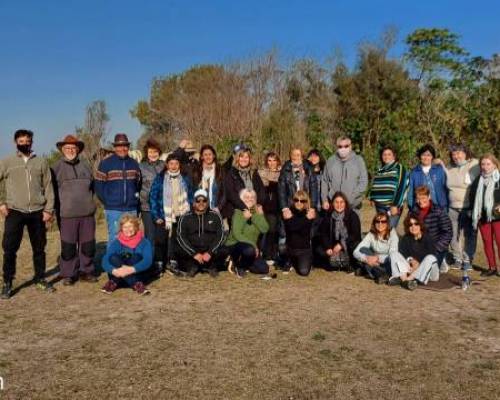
column 70, row 139
column 121, row 140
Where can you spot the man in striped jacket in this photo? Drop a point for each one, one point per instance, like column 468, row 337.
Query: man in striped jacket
column 117, row 184
column 200, row 235
column 436, row 221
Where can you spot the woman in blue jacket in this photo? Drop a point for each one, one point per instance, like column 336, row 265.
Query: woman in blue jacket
column 431, row 175
column 127, row 257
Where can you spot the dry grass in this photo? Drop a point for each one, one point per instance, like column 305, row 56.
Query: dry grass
column 328, row 336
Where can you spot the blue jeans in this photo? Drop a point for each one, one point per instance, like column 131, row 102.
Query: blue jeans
column 113, row 222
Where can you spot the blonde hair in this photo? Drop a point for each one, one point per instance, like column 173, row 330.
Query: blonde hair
column 491, row 157
column 302, row 195
column 135, row 221
column 236, row 158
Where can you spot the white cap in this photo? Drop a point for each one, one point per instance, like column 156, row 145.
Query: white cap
column 200, row 193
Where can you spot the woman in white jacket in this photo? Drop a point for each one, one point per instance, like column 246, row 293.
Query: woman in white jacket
column 373, row 251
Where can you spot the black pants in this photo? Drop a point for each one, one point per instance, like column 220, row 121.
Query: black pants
column 269, row 241
column 301, row 259
column 164, row 243
column 245, row 258
column 189, row 264
column 12, row 237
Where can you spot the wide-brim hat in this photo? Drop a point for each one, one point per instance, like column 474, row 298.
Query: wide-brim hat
column 121, row 140
column 70, row 139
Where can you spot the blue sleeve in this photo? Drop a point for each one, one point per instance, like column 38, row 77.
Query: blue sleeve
column 155, row 199
column 146, row 250
column 100, row 181
column 114, row 248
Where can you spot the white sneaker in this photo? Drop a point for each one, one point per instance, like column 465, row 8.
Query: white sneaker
column 444, row 268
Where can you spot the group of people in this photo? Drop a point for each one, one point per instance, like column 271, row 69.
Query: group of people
column 189, row 213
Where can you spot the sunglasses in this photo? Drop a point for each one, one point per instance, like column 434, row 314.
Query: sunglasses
column 414, row 224
column 201, row 200
column 345, row 146
column 381, row 221
column 300, row 201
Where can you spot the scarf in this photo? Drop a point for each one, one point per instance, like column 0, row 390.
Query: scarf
column 298, row 174
column 175, row 198
column 269, row 176
column 246, row 176
column 207, row 182
column 483, row 200
column 131, row 242
column 340, row 228
column 424, row 212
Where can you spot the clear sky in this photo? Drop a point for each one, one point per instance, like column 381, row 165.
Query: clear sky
column 57, row 56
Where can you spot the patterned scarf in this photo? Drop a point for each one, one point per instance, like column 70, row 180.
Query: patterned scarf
column 269, row 176
column 175, row 198
column 485, row 189
column 340, row 228
column 246, row 175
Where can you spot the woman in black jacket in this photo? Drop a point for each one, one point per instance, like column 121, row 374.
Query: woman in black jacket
column 339, row 234
column 298, row 233
column 269, row 175
column 240, row 176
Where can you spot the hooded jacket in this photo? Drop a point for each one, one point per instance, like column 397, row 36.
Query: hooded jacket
column 347, row 176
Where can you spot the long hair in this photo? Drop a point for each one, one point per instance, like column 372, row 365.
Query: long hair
column 378, row 216
column 409, row 217
column 344, row 197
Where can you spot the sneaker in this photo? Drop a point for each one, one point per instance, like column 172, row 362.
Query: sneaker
column 488, row 272
column 6, row 290
column 68, row 281
column 90, row 278
column 44, row 286
column 191, row 273
column 140, row 289
column 410, row 285
column 444, row 268
column 358, row 272
column 381, row 280
column 239, row 272
column 109, row 287
column 395, row 281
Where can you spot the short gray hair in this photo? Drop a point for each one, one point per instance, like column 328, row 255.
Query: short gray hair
column 245, row 191
column 342, row 138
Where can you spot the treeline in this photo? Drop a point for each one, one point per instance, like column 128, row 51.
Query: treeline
column 435, row 92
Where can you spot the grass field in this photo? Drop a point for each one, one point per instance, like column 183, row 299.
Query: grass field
column 328, row 336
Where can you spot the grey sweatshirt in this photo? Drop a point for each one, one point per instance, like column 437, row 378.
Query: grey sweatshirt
column 347, row 176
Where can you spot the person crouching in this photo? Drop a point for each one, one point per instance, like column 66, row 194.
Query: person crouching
column 127, row 257
column 200, row 234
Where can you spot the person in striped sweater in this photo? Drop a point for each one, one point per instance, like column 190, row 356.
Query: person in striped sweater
column 389, row 186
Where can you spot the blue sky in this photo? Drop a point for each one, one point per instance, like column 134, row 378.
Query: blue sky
column 57, row 56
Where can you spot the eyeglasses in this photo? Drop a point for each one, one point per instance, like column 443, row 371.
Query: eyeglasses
column 201, row 200
column 381, row 221
column 345, row 146
column 300, row 201
column 413, row 224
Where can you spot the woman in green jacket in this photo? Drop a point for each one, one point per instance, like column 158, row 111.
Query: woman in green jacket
column 246, row 228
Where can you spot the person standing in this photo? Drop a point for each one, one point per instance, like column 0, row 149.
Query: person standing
column 117, row 184
column 430, row 174
column 150, row 167
column 28, row 200
column 170, row 198
column 344, row 172
column 76, row 212
column 460, row 175
column 389, row 186
column 485, row 193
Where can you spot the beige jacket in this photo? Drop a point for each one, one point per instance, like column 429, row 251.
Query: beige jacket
column 459, row 181
column 28, row 184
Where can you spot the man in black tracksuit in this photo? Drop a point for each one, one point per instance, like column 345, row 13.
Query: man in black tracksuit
column 200, row 235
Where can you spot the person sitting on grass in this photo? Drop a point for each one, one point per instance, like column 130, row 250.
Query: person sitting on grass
column 373, row 251
column 298, row 226
column 128, row 257
column 339, row 234
column 415, row 262
column 200, row 234
column 246, row 227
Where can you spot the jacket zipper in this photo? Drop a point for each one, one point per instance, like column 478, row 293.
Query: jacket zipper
column 28, row 179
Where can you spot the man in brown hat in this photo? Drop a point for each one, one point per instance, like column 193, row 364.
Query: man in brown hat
column 117, row 184
column 76, row 208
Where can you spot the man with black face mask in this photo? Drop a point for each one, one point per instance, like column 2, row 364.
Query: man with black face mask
column 28, row 200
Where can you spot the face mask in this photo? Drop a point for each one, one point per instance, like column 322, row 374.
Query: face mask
column 24, row 148
column 343, row 152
